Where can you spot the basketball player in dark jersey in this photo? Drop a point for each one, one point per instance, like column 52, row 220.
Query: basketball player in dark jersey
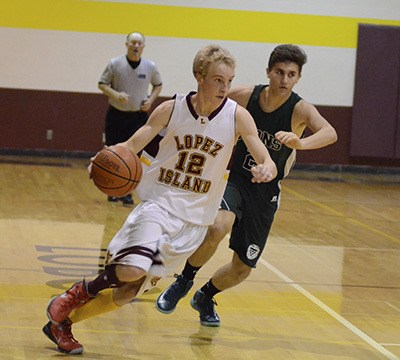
column 247, row 209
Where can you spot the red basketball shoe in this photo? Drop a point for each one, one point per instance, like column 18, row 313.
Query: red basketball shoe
column 61, row 306
column 62, row 336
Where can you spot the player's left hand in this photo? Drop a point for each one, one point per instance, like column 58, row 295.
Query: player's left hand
column 290, row 139
column 262, row 173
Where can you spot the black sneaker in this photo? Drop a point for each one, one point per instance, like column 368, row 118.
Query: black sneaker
column 127, row 200
column 112, row 198
column 205, row 306
column 168, row 299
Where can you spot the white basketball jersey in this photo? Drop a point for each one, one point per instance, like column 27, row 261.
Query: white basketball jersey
column 189, row 173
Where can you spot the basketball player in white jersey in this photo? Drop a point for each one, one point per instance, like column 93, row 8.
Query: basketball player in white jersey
column 180, row 193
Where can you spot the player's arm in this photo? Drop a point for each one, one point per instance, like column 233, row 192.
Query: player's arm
column 241, row 94
column 307, row 115
column 265, row 170
column 157, row 121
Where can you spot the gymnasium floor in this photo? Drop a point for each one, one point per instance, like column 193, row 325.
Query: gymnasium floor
column 327, row 286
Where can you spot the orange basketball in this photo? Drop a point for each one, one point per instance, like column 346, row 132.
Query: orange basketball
column 116, row 171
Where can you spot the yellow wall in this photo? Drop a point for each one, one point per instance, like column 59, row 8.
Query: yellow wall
column 184, row 22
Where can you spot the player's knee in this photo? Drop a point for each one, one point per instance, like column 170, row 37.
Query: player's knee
column 216, row 233
column 127, row 274
column 221, row 227
column 126, row 293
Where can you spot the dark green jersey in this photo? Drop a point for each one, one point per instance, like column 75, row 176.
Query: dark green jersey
column 267, row 124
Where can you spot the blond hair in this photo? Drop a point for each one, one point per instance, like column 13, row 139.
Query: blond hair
column 209, row 55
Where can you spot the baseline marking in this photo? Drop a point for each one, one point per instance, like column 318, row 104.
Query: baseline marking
column 331, row 312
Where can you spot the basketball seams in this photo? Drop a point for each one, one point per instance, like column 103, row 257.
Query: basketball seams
column 102, row 170
column 112, row 173
column 137, row 164
column 120, row 157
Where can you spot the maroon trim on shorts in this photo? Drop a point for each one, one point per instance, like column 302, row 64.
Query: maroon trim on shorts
column 135, row 250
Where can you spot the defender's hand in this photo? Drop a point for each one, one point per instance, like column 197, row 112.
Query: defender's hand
column 262, row 173
column 291, row 140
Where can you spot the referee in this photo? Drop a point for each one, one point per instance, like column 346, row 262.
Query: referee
column 125, row 81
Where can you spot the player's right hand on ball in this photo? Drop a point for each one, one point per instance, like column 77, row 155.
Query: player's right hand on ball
column 89, row 168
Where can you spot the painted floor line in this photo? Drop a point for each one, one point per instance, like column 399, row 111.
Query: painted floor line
column 331, row 312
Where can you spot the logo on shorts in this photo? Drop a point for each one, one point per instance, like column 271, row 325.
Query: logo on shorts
column 107, row 258
column 252, row 251
column 154, row 280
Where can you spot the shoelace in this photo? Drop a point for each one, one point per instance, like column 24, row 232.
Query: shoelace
column 75, row 299
column 67, row 333
column 209, row 306
column 174, row 289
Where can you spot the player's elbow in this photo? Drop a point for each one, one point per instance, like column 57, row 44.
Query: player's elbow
column 333, row 135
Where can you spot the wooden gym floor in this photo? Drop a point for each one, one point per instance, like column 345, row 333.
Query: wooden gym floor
column 327, row 286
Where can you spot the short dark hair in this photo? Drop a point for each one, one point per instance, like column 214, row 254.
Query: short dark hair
column 288, row 53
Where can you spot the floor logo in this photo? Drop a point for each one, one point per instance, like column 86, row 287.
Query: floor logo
column 252, row 251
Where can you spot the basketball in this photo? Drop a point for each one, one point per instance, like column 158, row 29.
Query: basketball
column 116, row 171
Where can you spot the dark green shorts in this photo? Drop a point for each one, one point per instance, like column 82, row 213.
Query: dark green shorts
column 254, row 217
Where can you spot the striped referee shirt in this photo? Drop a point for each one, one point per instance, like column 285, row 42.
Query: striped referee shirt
column 135, row 82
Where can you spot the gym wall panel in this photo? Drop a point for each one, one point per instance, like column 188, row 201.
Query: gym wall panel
column 60, row 47
column 74, row 61
column 67, row 43
column 186, row 22
column 377, row 91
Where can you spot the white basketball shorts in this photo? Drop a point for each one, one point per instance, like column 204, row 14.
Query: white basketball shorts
column 154, row 240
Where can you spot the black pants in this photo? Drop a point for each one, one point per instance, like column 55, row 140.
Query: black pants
column 121, row 125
